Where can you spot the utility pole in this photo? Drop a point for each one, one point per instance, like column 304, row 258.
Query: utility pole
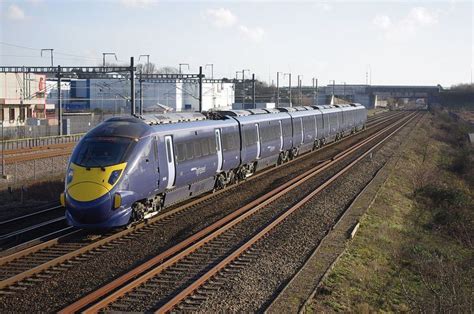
column 51, row 51
column 181, row 65
column 314, row 90
column 212, row 69
column 107, row 54
column 140, row 81
column 253, row 91
column 200, row 88
column 132, row 86
column 60, row 105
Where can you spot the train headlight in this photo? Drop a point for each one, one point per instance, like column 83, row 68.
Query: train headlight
column 117, row 200
column 62, row 200
column 114, row 176
column 70, row 174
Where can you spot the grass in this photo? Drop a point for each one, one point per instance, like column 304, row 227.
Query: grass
column 413, row 251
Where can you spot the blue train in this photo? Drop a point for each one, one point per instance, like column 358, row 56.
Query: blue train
column 128, row 168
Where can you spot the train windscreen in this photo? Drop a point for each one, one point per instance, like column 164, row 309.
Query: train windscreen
column 102, row 152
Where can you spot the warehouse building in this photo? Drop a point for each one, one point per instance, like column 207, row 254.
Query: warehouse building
column 22, row 96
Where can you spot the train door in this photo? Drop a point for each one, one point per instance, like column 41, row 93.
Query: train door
column 281, row 136
column 170, row 161
column 157, row 164
column 302, row 130
column 258, row 141
column 219, row 150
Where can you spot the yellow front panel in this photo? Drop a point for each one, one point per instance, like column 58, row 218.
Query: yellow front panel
column 86, row 191
column 87, row 185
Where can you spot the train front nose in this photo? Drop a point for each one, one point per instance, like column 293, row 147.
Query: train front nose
column 88, row 203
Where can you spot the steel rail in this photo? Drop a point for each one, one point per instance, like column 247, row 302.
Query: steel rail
column 61, row 259
column 31, row 228
column 243, row 212
column 16, row 219
column 41, row 242
column 212, row 272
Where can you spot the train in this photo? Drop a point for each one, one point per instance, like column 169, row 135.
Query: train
column 127, row 169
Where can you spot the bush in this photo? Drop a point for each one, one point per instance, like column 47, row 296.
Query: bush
column 451, row 209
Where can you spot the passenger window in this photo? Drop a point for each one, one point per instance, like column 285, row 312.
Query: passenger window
column 189, row 150
column 212, row 145
column 205, row 147
column 180, row 152
column 197, row 149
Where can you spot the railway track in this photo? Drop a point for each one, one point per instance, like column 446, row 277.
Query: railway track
column 23, row 267
column 176, row 278
column 27, row 227
column 296, row 288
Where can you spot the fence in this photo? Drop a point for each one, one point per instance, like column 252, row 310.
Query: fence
column 27, row 172
column 31, row 136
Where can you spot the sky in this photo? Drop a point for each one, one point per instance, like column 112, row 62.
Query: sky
column 397, row 42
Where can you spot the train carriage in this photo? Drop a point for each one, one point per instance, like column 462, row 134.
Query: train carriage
column 128, row 168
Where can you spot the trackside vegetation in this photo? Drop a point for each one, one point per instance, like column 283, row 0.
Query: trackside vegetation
column 415, row 247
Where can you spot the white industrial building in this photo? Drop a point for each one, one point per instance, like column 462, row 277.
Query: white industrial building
column 113, row 95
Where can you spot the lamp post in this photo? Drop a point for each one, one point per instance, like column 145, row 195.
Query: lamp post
column 212, row 69
column 51, row 51
column 107, row 54
column 181, row 64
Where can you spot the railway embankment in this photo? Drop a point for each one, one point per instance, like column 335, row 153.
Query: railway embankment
column 415, row 245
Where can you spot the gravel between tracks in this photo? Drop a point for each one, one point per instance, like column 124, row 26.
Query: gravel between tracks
column 67, row 286
column 283, row 252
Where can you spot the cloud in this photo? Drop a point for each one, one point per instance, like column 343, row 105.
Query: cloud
column 324, row 6
column 382, row 21
column 221, row 17
column 255, row 34
column 407, row 26
column 422, row 16
column 14, row 12
column 137, row 3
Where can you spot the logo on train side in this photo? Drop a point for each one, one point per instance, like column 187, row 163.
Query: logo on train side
column 199, row 170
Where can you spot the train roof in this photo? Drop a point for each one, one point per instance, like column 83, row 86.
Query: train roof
column 172, row 117
column 130, row 127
